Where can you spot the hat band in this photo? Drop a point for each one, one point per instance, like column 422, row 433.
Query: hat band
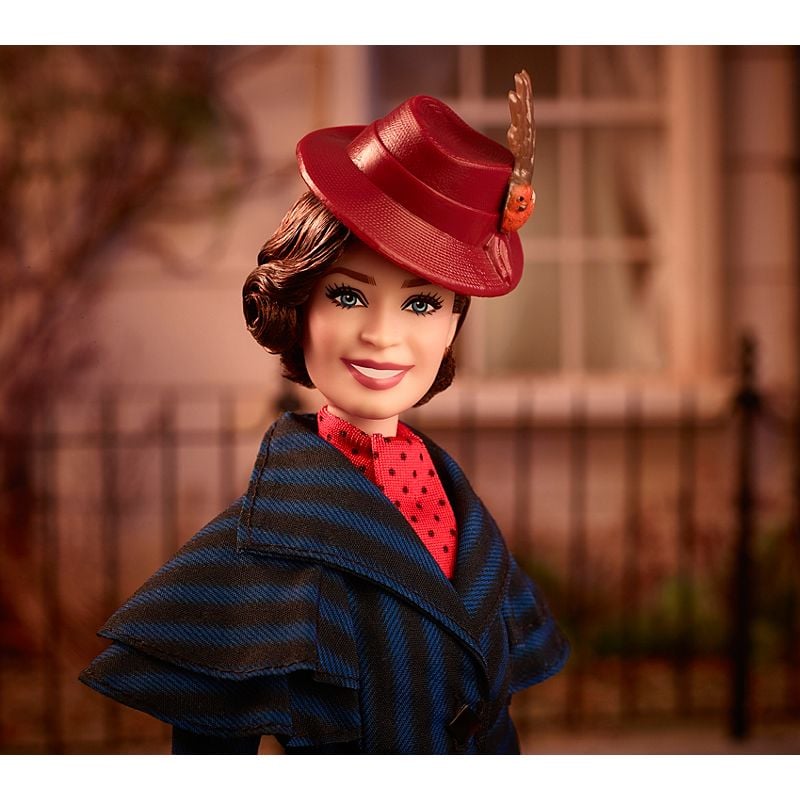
column 466, row 224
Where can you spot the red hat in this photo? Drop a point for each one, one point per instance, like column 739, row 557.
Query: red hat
column 425, row 190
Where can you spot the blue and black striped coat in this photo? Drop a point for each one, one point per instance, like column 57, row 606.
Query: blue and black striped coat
column 311, row 610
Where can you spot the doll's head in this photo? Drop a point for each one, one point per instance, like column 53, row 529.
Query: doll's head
column 418, row 193
column 307, row 245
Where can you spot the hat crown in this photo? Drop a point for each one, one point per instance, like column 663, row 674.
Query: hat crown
column 430, row 141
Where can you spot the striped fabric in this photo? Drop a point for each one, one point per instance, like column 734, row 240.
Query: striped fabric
column 311, row 610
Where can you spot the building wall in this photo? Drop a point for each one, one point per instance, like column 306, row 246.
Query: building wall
column 165, row 323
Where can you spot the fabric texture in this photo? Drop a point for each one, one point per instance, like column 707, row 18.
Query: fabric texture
column 402, row 469
column 311, row 610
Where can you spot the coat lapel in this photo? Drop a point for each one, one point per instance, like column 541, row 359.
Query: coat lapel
column 305, row 500
column 483, row 559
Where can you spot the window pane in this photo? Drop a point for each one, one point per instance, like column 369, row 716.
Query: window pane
column 544, row 221
column 623, row 182
column 522, row 328
column 621, row 318
column 401, row 71
column 623, row 72
column 500, row 62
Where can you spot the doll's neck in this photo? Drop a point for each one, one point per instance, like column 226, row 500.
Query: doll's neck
column 385, row 427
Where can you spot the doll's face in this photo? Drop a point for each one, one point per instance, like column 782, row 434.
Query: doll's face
column 375, row 337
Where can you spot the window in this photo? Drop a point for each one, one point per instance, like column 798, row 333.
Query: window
column 622, row 270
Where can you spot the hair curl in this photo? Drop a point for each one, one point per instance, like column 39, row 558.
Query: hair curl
column 306, row 244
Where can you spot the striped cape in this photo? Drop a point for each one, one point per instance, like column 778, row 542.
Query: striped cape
column 309, row 609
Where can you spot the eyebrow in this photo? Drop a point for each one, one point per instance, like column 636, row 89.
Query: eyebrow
column 359, row 276
column 415, row 282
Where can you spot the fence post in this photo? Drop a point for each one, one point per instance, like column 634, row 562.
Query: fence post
column 748, row 405
column 686, row 542
column 110, row 514
column 48, row 452
column 577, row 550
column 793, row 640
column 168, row 465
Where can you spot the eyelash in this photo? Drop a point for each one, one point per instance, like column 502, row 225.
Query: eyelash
column 337, row 291
column 433, row 300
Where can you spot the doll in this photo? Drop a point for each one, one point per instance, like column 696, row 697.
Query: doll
column 358, row 598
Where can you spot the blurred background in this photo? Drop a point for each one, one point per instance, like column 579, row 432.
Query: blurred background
column 629, row 415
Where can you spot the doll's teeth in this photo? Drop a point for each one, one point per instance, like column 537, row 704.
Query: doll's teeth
column 369, row 372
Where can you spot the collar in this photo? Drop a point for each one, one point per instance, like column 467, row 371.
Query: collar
column 344, row 434
column 363, row 450
column 306, row 501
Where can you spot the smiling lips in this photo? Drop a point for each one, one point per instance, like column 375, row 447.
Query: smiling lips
column 376, row 375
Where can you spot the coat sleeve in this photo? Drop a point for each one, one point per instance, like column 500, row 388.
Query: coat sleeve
column 227, row 643
column 539, row 649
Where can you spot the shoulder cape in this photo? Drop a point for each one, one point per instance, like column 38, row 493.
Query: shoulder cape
column 248, row 629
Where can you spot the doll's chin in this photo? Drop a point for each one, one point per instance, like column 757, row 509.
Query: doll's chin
column 377, row 409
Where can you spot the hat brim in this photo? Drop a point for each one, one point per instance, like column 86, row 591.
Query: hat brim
column 391, row 229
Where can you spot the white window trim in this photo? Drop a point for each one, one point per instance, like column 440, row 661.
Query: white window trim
column 693, row 250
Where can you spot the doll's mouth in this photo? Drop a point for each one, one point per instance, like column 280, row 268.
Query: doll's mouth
column 376, row 375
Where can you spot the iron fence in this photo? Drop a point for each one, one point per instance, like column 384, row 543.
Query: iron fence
column 683, row 605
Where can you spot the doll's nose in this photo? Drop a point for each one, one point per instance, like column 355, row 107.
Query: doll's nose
column 380, row 330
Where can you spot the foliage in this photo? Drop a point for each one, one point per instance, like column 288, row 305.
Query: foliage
column 96, row 142
column 686, row 615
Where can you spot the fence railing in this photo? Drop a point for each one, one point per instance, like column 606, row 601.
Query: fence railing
column 667, row 550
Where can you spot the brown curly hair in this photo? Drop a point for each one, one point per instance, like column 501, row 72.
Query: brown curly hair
column 308, row 241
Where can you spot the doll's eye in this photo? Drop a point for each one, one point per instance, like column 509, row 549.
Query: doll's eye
column 423, row 304
column 345, row 296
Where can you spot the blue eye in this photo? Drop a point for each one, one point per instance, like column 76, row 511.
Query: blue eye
column 348, row 299
column 420, row 306
column 423, row 304
column 345, row 296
